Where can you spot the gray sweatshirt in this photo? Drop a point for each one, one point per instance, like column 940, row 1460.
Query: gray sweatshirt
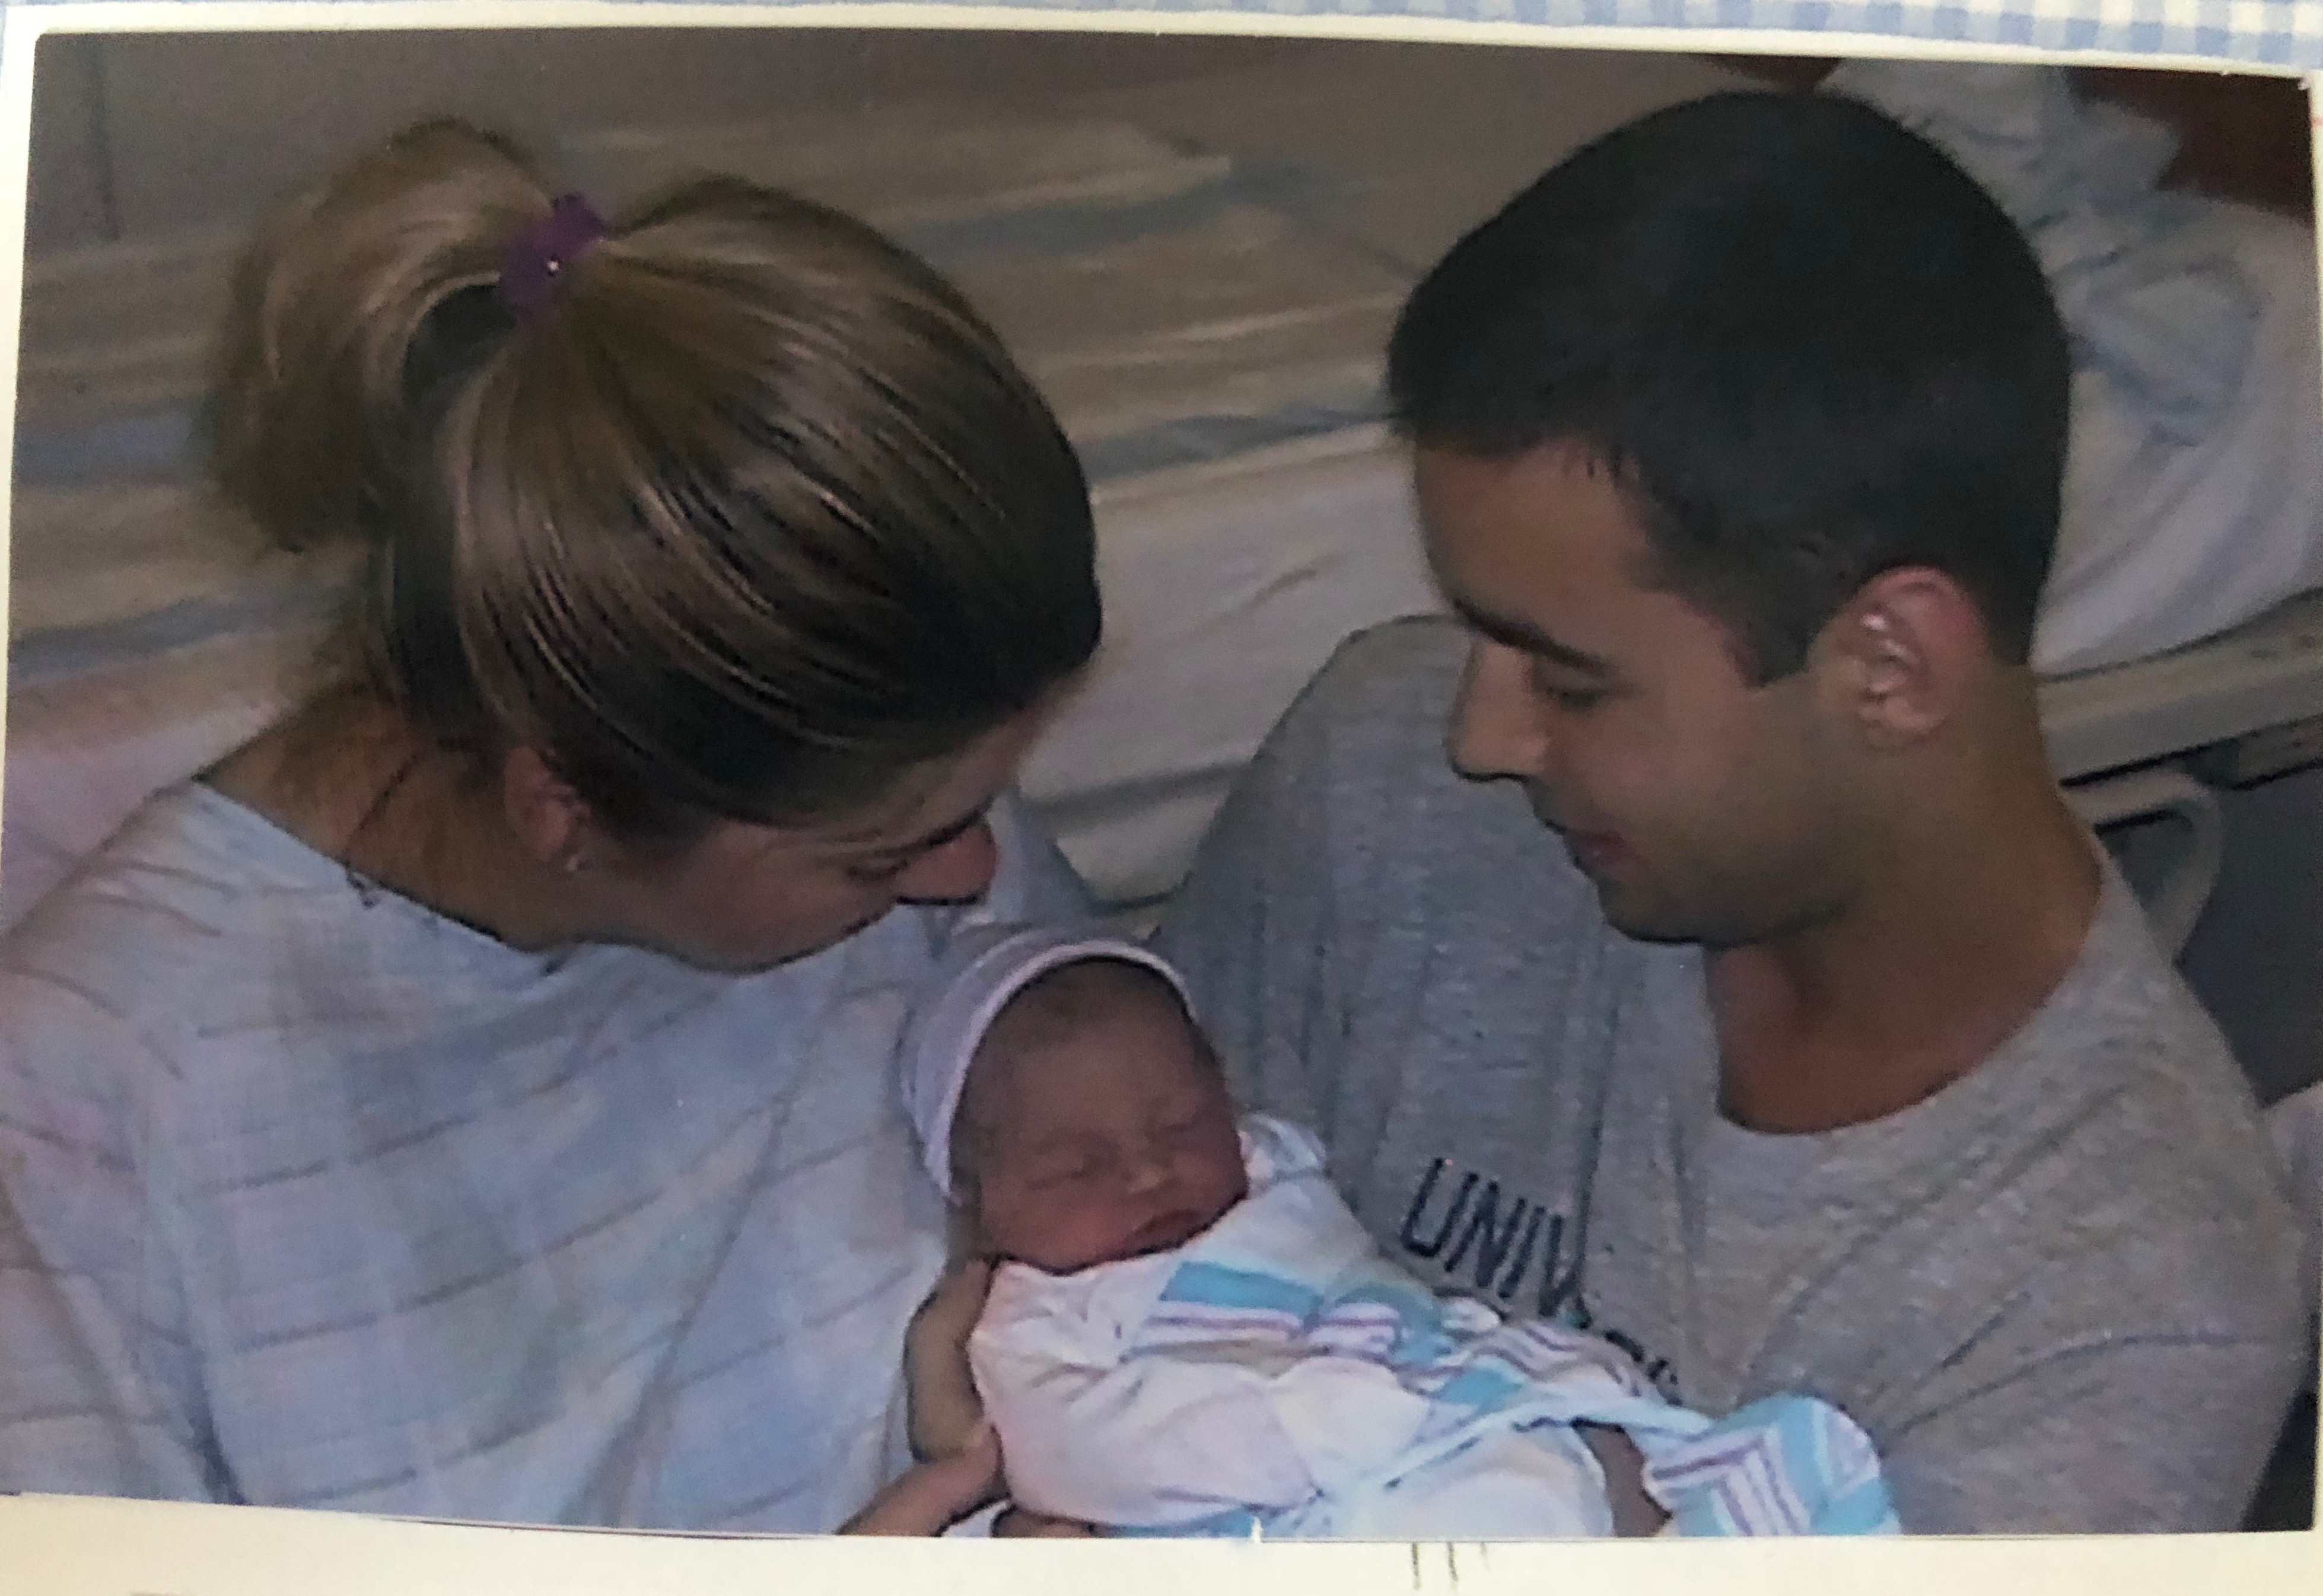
column 2060, row 1294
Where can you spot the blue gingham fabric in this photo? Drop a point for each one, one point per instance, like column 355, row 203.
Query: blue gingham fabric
column 2279, row 33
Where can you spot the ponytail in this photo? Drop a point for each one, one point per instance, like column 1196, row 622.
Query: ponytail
column 749, row 518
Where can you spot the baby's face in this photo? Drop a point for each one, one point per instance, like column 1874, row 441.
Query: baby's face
column 1106, row 1132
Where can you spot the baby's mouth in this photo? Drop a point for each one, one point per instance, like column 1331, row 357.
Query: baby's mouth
column 1168, row 1231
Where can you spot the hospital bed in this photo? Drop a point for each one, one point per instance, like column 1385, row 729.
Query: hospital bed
column 1210, row 332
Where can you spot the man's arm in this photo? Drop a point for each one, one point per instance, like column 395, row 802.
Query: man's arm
column 1635, row 1512
column 1250, row 927
column 2137, row 1383
column 2135, row 1436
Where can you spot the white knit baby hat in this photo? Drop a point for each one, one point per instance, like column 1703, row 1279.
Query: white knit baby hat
column 983, row 966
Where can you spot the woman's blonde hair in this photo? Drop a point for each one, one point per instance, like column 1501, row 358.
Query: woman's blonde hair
column 753, row 516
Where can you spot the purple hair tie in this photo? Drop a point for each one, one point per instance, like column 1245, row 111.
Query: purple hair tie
column 539, row 256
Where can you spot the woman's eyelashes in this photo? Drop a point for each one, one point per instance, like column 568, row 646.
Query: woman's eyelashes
column 880, row 869
column 880, row 874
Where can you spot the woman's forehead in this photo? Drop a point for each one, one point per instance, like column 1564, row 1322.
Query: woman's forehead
column 887, row 820
column 930, row 803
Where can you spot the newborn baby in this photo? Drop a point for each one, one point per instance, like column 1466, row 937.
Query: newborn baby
column 1189, row 1334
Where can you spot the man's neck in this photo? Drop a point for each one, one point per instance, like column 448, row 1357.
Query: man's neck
column 1969, row 930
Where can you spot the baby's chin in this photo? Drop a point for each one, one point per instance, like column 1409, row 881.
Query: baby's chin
column 1165, row 1232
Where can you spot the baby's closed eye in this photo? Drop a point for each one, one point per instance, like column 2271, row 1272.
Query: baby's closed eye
column 1186, row 1117
column 1191, row 1128
column 1067, row 1170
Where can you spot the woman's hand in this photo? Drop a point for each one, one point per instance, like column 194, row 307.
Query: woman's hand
column 945, row 1410
column 960, row 1468
column 935, row 1496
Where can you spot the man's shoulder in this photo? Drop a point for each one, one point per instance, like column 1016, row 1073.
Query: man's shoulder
column 150, row 921
column 2161, row 1080
column 1368, row 738
column 1370, row 726
column 2173, row 1152
column 2147, row 1174
column 1402, row 669
column 2100, row 1190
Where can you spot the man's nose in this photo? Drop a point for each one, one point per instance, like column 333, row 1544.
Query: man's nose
column 1497, row 728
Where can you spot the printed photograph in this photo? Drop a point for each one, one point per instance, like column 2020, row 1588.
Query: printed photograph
column 1073, row 785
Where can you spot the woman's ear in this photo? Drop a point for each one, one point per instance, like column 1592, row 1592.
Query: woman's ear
column 550, row 819
column 1901, row 654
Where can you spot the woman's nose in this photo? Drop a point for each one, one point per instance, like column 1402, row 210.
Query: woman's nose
column 958, row 872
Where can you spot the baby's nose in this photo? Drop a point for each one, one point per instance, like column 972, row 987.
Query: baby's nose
column 1149, row 1171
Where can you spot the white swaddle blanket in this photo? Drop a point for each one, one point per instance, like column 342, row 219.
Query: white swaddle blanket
column 1278, row 1375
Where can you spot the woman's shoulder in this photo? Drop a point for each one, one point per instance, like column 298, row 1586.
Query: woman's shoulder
column 150, row 922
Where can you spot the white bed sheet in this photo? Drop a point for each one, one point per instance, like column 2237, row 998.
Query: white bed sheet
column 2164, row 544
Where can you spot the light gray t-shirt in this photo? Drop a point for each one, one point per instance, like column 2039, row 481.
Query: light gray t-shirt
column 2060, row 1294
column 311, row 1198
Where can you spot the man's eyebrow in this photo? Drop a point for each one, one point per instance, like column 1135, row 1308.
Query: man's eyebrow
column 1514, row 632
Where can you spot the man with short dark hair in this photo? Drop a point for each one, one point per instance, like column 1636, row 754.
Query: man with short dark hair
column 1743, row 986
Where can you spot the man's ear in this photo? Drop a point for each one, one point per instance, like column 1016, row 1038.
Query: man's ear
column 550, row 819
column 1900, row 656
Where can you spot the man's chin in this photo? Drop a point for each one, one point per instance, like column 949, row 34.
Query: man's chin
column 1668, row 928
column 1650, row 931
column 1639, row 921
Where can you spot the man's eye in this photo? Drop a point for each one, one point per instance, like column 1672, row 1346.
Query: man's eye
column 1567, row 697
